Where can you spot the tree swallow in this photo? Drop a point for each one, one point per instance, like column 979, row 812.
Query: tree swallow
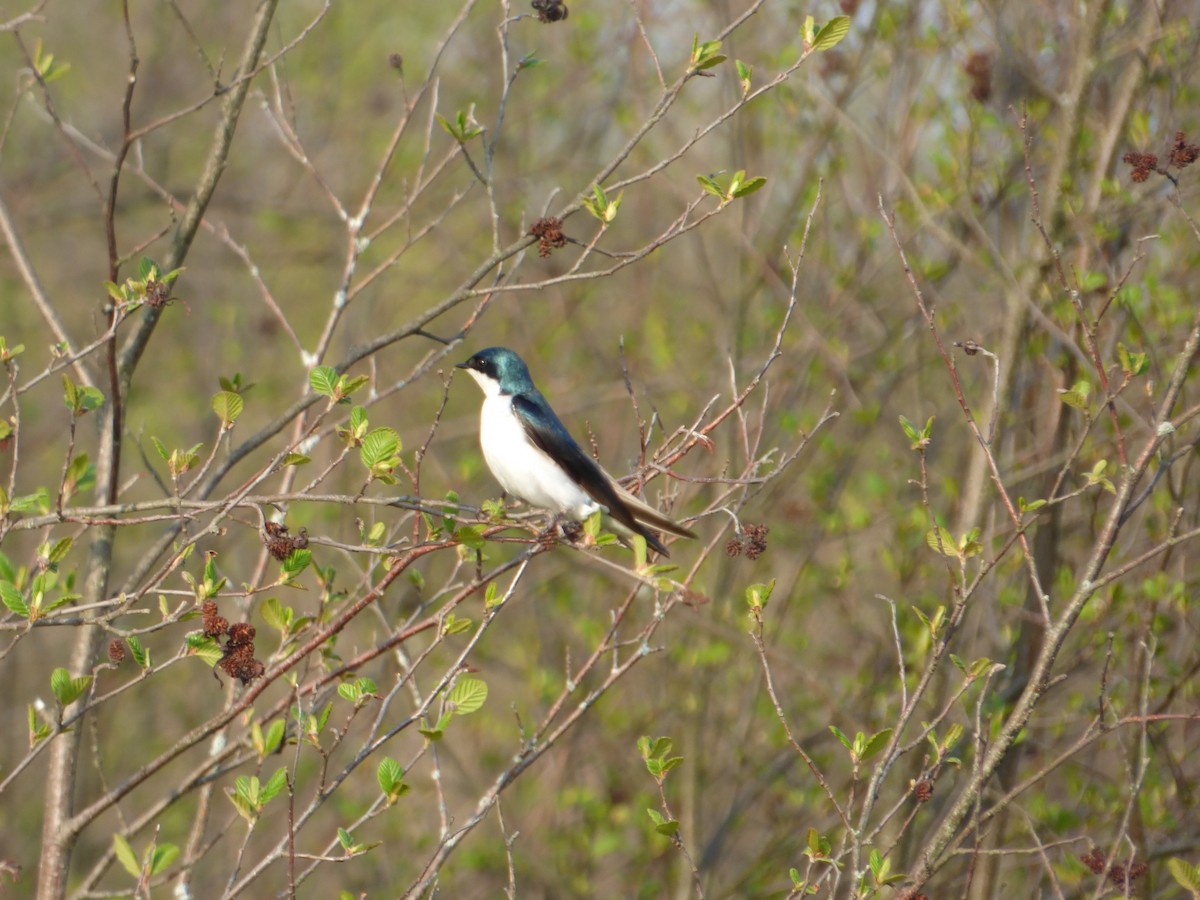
column 533, row 456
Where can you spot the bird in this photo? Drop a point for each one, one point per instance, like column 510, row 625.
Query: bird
column 533, row 456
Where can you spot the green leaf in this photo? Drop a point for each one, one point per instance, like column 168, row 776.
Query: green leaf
column 492, row 596
column 1077, row 396
column 757, row 595
column 67, row 689
column 162, row 856
column 464, row 127
column 380, row 451
column 470, row 536
column 918, row 439
column 204, row 648
column 274, row 737
column 705, row 55
column 744, row 72
column 89, row 398
column 40, row 500
column 940, row 540
column 1096, row 476
column 70, row 394
column 1132, row 364
column 662, row 824
column 980, row 667
column 347, row 386
column 1185, row 875
column 387, row 773
column 323, row 380
column 274, row 785
column 126, row 857
column 435, row 733
column 876, row 743
column 390, row 776
column 468, row 695
column 80, row 400
column 6, row 354
column 228, row 406
column 710, row 186
column 277, row 615
column 452, row 624
column 296, row 459
column 846, row 742
column 12, row 598
column 297, row 561
column 160, row 447
column 831, row 33
column 140, row 654
column 247, row 787
column 62, row 547
column 38, row 730
column 969, row 545
column 749, row 186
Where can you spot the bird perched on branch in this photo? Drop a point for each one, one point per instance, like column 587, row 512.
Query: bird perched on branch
column 533, row 456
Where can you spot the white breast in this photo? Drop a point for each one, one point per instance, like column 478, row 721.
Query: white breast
column 523, row 469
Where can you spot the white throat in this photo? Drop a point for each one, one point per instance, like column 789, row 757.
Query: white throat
column 490, row 386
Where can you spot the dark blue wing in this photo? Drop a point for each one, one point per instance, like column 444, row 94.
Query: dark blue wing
column 550, row 435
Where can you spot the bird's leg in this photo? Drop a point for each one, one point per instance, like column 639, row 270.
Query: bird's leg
column 571, row 530
column 560, row 530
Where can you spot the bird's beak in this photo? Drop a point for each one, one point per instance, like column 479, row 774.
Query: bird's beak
column 462, row 365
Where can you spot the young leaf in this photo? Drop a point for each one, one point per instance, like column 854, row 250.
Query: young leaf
column 12, row 598
column 380, row 451
column 841, row 736
column 875, row 743
column 468, row 695
column 297, row 561
column 744, row 72
column 126, row 857
column 323, row 380
column 710, row 186
column 942, row 541
column 162, row 856
column 662, row 824
column 140, row 654
column 274, row 736
column 38, row 730
column 831, row 33
column 470, row 536
column 274, row 785
column 757, row 595
column 452, row 624
column 228, row 406
column 67, row 689
column 1185, row 875
column 277, row 615
column 1077, row 396
column 61, row 547
column 748, row 186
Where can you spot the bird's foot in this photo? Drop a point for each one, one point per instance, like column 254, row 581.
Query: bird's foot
column 560, row 530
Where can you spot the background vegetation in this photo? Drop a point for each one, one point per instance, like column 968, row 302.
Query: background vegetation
column 927, row 394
